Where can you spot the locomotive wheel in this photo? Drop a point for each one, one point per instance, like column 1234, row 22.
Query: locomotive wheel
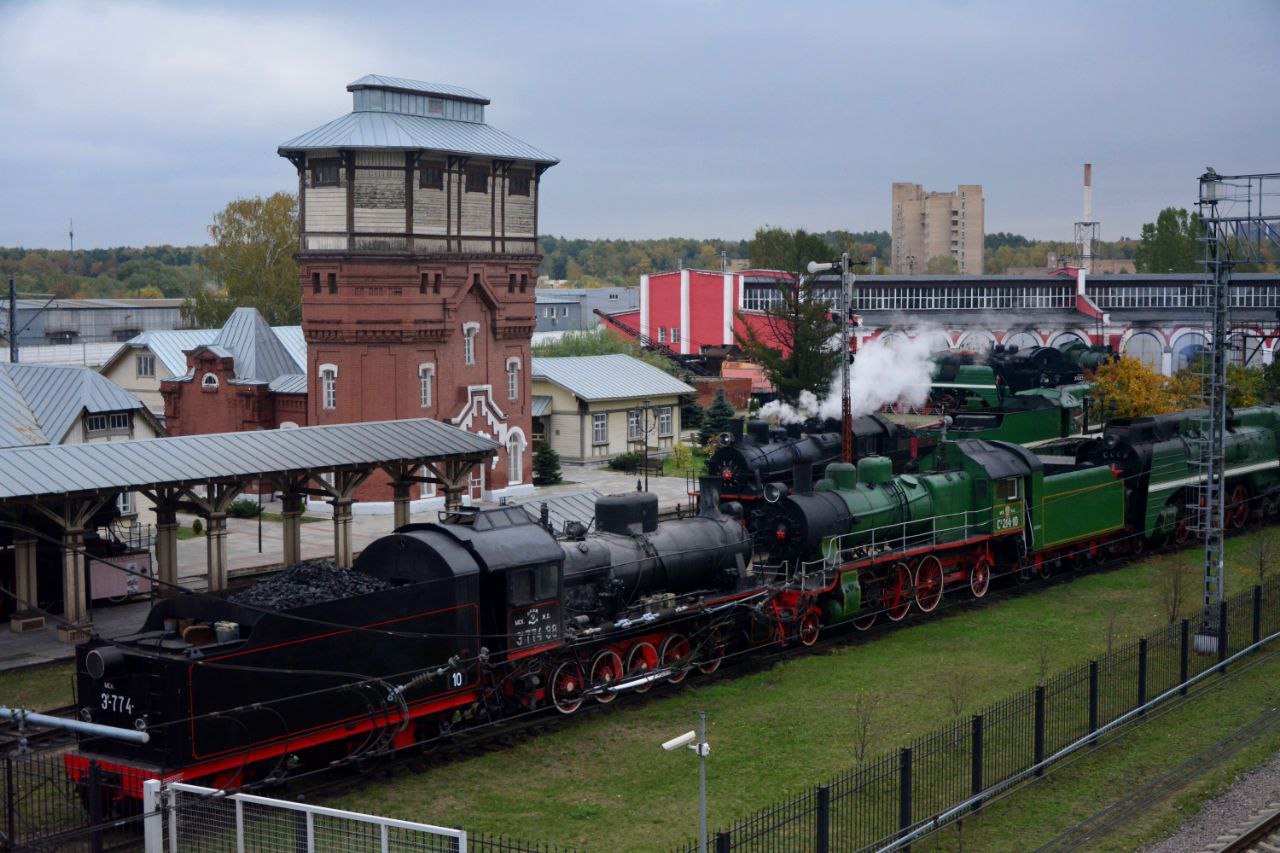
column 642, row 658
column 1043, row 567
column 864, row 623
column 896, row 595
column 980, row 577
column 810, row 627
column 567, row 685
column 606, row 668
column 711, row 652
column 929, row 584
column 675, row 652
column 1182, row 529
column 1238, row 507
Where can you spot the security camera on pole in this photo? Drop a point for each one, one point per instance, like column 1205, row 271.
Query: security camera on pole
column 697, row 741
column 842, row 313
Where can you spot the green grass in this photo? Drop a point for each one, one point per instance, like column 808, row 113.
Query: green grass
column 604, row 781
column 1077, row 791
column 184, row 532
column 39, row 688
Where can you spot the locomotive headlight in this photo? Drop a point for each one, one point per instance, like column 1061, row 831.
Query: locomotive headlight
column 101, row 661
column 86, row 715
column 140, row 724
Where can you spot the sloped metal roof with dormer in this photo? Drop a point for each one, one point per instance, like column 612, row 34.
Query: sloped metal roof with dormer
column 397, row 122
column 40, row 403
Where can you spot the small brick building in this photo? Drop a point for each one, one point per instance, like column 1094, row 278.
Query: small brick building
column 246, row 378
column 418, row 260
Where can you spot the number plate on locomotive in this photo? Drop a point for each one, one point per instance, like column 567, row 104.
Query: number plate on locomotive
column 116, row 703
column 532, row 626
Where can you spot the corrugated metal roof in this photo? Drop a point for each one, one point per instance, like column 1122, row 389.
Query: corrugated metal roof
column 290, row 383
column 81, row 468
column 258, row 354
column 294, row 342
column 410, row 132
column 89, row 355
column 541, row 405
column 607, row 377
column 171, row 346
column 18, row 424
column 576, row 506
column 379, row 81
column 55, row 396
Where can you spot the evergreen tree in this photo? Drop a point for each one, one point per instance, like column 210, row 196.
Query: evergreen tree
column 719, row 417
column 692, row 415
column 794, row 340
column 546, row 466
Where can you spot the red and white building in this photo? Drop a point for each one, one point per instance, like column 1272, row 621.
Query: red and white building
column 690, row 311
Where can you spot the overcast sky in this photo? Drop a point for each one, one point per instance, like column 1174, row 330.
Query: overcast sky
column 702, row 119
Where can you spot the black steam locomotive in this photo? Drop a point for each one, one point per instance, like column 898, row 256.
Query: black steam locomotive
column 478, row 617
column 745, row 464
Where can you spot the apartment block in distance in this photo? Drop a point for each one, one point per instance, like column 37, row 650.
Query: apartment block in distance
column 927, row 224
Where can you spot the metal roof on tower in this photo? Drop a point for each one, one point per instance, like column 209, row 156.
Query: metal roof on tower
column 448, row 90
column 392, row 113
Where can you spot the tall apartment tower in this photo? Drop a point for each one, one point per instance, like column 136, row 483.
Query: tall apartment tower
column 926, row 225
column 417, row 258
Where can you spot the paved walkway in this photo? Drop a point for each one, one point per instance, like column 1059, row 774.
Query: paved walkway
column 245, row 558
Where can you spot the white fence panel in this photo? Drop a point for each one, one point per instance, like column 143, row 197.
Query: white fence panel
column 192, row 819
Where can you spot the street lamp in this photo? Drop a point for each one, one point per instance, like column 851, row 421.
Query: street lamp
column 697, row 741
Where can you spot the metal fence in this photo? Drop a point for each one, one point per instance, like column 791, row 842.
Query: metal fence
column 895, row 795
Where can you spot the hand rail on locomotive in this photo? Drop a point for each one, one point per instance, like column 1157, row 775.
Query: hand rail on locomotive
column 837, row 551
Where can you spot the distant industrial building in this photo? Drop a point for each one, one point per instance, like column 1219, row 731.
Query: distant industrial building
column 91, row 321
column 573, row 309
column 931, row 224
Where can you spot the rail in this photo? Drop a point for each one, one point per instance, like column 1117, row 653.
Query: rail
column 893, row 540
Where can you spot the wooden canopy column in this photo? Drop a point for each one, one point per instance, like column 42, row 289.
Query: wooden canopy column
column 403, row 477
column 340, row 492
column 293, row 500
column 167, row 502
column 452, row 475
column 218, row 496
column 25, row 617
column 74, row 514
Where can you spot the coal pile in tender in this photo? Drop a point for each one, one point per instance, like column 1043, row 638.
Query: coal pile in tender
column 309, row 582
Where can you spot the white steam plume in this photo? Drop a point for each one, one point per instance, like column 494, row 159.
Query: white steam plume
column 883, row 373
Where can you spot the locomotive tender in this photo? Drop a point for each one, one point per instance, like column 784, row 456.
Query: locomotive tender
column 480, row 616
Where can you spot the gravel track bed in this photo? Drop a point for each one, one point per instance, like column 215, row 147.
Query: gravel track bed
column 1226, row 813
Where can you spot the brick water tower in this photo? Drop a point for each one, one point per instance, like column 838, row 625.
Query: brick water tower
column 418, row 254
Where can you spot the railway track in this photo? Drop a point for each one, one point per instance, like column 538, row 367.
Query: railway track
column 1260, row 835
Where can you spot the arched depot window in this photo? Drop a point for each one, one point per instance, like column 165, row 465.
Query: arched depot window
column 469, row 331
column 426, row 373
column 513, row 379
column 209, row 381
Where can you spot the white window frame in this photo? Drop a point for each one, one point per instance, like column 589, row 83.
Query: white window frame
column 662, row 335
column 666, row 422
column 635, row 424
column 328, row 386
column 599, row 429
column 515, row 459
column 513, row 379
column 147, row 361
column 469, row 332
column 426, row 375
column 209, row 380
column 675, row 334
column 125, row 504
column 95, row 423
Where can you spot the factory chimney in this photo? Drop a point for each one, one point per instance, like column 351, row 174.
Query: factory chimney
column 1086, row 228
